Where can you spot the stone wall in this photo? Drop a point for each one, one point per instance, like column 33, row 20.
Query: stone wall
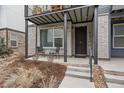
column 21, row 41
column 31, row 40
column 3, row 34
column 103, row 36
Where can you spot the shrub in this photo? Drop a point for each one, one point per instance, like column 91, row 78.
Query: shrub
column 4, row 50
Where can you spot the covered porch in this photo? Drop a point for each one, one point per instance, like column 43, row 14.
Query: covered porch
column 74, row 26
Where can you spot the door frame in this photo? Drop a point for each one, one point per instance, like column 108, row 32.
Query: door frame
column 86, row 38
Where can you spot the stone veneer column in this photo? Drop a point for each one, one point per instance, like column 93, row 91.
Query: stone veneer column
column 103, row 36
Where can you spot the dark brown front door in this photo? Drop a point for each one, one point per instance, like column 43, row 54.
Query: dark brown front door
column 81, row 41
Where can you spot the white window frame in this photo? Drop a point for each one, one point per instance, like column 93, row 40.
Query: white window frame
column 116, row 35
column 53, row 28
column 11, row 39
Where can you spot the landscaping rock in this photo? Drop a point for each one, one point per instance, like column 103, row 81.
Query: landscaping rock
column 98, row 77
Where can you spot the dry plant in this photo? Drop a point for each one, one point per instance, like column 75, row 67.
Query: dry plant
column 25, row 78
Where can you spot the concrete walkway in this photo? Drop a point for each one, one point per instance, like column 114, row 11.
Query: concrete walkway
column 77, row 77
column 71, row 82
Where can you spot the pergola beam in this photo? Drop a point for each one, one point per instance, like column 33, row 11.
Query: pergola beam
column 54, row 18
column 87, row 13
column 49, row 19
column 75, row 15
column 70, row 16
column 59, row 17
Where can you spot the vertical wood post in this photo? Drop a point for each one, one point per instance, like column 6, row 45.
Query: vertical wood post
column 96, row 35
column 65, row 36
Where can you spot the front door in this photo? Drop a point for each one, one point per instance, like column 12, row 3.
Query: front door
column 80, row 41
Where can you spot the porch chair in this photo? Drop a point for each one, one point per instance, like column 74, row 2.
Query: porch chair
column 57, row 52
column 39, row 52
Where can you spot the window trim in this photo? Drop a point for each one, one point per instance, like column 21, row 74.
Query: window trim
column 113, row 35
column 53, row 36
column 14, row 40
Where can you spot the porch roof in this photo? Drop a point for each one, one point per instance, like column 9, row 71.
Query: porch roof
column 81, row 14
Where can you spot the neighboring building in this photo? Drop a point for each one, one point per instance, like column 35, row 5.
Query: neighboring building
column 80, row 30
column 12, row 27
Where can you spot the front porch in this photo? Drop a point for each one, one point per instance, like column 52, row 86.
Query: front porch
column 77, row 36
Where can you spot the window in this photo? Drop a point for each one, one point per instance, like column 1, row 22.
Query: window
column 58, row 37
column 14, row 40
column 118, row 36
column 52, row 37
column 47, row 38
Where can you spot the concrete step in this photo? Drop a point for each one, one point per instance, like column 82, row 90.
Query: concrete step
column 78, row 69
column 115, row 77
column 113, row 85
column 78, row 65
column 115, row 80
column 77, row 74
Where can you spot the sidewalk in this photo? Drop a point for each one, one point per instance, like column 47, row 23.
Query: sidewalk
column 77, row 77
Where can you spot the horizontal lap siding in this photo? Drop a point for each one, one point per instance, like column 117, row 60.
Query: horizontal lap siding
column 116, row 52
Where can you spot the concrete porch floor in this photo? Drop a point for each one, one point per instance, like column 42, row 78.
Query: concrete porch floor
column 116, row 64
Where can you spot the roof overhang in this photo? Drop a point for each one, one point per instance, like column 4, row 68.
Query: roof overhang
column 81, row 14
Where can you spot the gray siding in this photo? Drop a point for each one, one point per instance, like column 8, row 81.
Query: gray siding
column 104, row 9
column 117, row 7
column 116, row 52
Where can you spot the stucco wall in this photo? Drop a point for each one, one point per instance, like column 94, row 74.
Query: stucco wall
column 103, row 36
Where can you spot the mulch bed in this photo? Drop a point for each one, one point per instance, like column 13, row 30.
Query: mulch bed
column 98, row 77
column 32, row 74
